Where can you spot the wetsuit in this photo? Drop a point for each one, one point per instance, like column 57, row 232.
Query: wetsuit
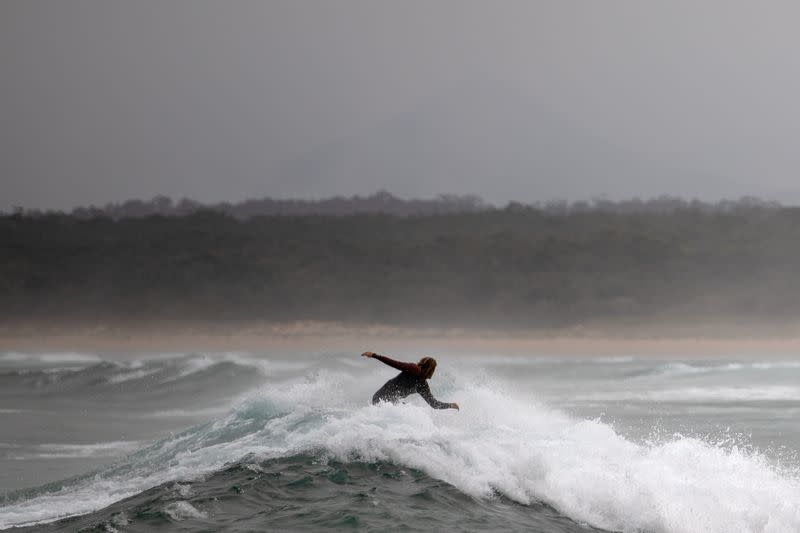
column 408, row 381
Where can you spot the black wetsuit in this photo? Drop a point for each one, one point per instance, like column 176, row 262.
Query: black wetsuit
column 407, row 382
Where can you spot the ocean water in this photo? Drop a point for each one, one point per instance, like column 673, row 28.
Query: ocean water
column 255, row 441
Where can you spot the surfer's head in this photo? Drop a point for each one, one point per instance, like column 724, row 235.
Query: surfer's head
column 428, row 365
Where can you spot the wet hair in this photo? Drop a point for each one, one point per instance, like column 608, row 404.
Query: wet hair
column 428, row 365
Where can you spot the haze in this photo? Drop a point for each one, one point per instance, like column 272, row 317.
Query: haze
column 529, row 101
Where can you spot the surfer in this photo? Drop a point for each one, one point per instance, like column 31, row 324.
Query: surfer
column 413, row 377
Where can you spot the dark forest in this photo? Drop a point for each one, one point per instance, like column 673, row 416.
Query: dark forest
column 517, row 267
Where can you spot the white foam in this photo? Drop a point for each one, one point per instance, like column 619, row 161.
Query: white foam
column 50, row 357
column 782, row 365
column 14, row 356
column 265, row 366
column 612, row 359
column 184, row 490
column 526, row 360
column 708, row 394
column 182, row 510
column 199, row 363
column 581, row 467
column 77, row 451
column 120, row 520
column 133, row 375
column 498, row 442
column 193, row 365
column 681, row 368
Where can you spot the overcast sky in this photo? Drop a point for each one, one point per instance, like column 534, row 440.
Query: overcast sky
column 107, row 100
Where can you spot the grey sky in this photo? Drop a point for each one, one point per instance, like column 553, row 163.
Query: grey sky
column 105, row 100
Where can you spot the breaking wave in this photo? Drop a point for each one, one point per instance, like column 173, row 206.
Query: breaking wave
column 312, row 436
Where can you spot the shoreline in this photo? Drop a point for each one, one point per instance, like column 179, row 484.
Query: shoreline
column 337, row 337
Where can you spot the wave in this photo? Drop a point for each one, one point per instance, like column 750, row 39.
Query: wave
column 497, row 449
column 60, row 357
column 523, row 360
column 73, row 451
column 679, row 369
column 82, row 371
column 303, row 492
column 710, row 394
column 186, row 413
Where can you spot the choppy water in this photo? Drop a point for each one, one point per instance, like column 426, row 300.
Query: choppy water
column 243, row 442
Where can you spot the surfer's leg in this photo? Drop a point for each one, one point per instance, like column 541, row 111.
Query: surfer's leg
column 380, row 396
column 385, row 393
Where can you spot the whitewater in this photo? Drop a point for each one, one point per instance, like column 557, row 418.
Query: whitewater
column 242, row 441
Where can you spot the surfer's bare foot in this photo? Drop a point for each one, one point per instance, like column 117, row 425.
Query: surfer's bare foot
column 368, row 354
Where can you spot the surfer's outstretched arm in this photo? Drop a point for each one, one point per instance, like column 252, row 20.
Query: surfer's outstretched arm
column 425, row 391
column 411, row 368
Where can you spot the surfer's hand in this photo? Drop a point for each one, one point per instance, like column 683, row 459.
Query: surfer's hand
column 454, row 405
column 367, row 354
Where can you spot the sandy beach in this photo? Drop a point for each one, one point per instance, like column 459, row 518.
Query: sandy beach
column 174, row 337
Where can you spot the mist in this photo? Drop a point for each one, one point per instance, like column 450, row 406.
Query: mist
column 102, row 102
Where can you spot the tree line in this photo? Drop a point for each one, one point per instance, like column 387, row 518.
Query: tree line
column 521, row 266
column 383, row 202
